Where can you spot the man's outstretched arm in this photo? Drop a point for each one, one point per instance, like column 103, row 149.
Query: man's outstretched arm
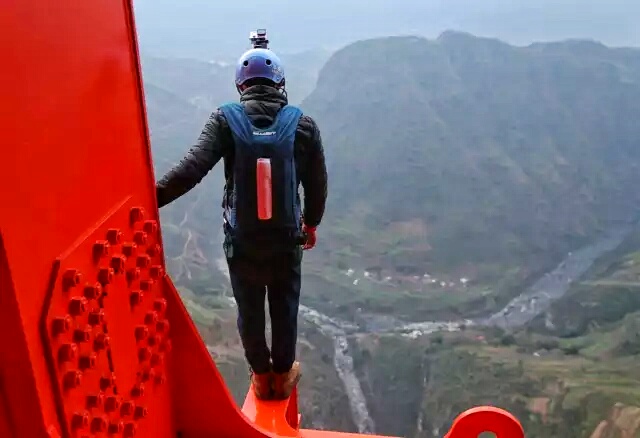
column 195, row 165
column 314, row 175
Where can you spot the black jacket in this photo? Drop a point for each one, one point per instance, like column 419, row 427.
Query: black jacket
column 261, row 104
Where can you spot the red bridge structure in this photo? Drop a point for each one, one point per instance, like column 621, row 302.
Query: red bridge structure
column 96, row 341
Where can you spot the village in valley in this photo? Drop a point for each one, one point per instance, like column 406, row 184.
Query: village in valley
column 417, row 283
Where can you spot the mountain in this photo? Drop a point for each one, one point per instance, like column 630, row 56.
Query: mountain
column 172, row 121
column 471, row 156
column 208, row 84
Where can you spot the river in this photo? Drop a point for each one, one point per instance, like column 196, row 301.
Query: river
column 553, row 285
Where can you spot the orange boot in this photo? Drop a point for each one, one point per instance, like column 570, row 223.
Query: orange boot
column 262, row 385
column 283, row 384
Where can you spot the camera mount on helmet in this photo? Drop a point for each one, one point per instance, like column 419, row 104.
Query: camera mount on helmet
column 259, row 64
column 259, row 39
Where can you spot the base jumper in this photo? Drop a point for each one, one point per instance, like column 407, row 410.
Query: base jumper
column 269, row 149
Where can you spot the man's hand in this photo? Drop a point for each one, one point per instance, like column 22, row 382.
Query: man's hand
column 310, row 237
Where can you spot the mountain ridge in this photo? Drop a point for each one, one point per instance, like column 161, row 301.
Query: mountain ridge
column 465, row 91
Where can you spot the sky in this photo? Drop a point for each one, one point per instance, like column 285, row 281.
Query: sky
column 213, row 29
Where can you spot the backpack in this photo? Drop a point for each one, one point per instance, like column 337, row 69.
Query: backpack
column 265, row 199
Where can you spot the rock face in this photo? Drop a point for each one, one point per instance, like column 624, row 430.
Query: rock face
column 623, row 422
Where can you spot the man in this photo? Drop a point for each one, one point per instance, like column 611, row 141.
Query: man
column 268, row 148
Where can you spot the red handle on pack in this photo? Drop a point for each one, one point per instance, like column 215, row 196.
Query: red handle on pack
column 264, row 189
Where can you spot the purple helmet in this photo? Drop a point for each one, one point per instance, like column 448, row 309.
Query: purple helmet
column 259, row 63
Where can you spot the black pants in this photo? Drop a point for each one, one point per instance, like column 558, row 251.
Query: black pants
column 275, row 274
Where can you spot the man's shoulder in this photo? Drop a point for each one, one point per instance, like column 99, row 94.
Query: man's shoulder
column 228, row 106
column 308, row 135
column 217, row 126
column 219, row 114
column 307, row 124
column 218, row 118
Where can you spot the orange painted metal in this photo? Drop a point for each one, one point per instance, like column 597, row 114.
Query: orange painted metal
column 273, row 416
column 96, row 341
column 473, row 422
column 87, row 311
column 282, row 419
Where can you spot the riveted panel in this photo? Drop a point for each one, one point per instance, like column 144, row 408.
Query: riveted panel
column 106, row 326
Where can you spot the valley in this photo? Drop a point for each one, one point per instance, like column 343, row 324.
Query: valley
column 490, row 249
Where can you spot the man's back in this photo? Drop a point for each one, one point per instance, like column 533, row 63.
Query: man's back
column 265, row 200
